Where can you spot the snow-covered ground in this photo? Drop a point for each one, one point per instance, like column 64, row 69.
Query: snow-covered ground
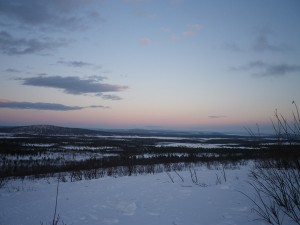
column 151, row 199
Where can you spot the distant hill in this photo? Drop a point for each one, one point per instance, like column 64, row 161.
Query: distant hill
column 57, row 130
column 50, row 130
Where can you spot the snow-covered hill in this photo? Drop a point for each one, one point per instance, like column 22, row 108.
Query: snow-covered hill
column 48, row 130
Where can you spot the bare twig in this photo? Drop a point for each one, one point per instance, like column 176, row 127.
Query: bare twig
column 179, row 176
column 169, row 175
column 223, row 172
column 55, row 220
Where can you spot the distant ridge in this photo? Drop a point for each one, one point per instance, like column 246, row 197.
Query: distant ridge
column 49, row 130
column 52, row 130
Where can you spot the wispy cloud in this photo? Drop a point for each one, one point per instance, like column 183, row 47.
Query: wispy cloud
column 279, row 69
column 262, row 44
column 10, row 45
column 97, row 106
column 75, row 63
column 11, row 70
column 111, row 97
column 97, row 78
column 48, row 15
column 42, row 106
column 216, row 116
column 263, row 69
column 40, row 19
column 73, row 85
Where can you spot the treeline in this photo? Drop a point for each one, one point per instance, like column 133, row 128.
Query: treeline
column 131, row 159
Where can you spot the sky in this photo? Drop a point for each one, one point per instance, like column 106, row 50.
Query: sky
column 172, row 64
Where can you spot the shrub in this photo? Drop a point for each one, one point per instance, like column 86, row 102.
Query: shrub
column 276, row 182
column 277, row 191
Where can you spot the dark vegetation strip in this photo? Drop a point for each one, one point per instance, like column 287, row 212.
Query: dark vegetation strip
column 133, row 154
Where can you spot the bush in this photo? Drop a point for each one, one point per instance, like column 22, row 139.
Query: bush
column 277, row 191
column 276, row 182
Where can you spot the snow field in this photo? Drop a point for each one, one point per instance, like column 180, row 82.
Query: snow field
column 144, row 199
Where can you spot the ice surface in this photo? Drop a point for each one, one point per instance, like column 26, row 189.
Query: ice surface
column 200, row 145
column 188, row 145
